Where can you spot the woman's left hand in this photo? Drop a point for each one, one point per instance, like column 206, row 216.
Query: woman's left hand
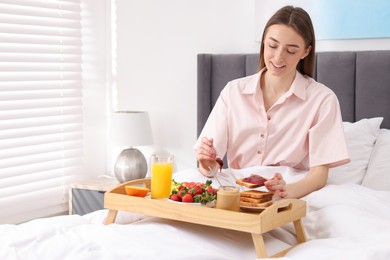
column 277, row 185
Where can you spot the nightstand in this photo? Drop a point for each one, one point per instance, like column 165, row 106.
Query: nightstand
column 88, row 196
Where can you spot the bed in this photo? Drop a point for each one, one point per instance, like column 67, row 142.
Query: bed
column 347, row 219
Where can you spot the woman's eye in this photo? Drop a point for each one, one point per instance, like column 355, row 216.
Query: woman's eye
column 291, row 52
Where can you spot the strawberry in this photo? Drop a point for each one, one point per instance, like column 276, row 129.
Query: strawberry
column 189, row 184
column 175, row 197
column 187, row 198
column 195, row 190
column 181, row 193
column 198, row 189
column 210, row 189
column 190, row 192
column 181, row 187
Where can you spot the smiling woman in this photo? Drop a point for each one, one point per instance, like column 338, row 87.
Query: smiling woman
column 283, row 50
column 279, row 116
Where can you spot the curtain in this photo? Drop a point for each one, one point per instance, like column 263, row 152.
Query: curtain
column 41, row 115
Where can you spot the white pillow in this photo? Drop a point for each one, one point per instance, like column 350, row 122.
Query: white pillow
column 360, row 137
column 378, row 171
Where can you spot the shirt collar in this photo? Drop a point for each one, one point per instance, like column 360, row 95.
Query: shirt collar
column 253, row 83
column 298, row 87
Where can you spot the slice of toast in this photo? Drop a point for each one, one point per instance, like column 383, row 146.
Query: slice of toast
column 247, row 184
column 256, row 194
column 261, row 200
column 253, row 181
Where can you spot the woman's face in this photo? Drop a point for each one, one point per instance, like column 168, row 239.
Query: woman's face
column 283, row 49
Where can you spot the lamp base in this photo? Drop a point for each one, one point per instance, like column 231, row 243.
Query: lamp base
column 130, row 165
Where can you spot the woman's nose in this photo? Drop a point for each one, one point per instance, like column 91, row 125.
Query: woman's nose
column 279, row 55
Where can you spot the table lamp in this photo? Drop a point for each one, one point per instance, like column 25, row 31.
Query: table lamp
column 129, row 129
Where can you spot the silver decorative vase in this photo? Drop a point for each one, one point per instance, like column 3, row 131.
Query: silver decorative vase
column 130, row 165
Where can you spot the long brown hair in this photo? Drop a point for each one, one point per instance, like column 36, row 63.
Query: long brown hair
column 299, row 20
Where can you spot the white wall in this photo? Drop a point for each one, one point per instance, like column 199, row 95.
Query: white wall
column 157, row 43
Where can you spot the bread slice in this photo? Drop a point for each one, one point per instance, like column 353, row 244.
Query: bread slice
column 256, row 194
column 247, row 184
column 253, row 181
column 261, row 200
column 255, row 205
column 255, row 197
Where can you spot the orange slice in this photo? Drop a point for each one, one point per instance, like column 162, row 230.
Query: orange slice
column 136, row 191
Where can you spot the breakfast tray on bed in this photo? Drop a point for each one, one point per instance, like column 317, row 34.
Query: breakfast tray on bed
column 257, row 223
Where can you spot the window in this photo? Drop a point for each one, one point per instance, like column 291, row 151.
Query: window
column 41, row 109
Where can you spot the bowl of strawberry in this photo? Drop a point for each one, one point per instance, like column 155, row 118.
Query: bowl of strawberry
column 193, row 192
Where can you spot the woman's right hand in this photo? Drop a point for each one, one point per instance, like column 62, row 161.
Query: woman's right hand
column 206, row 156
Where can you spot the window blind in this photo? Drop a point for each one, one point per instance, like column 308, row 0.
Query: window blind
column 41, row 117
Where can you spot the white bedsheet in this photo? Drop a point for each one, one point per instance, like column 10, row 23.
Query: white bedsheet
column 343, row 222
column 346, row 222
column 85, row 237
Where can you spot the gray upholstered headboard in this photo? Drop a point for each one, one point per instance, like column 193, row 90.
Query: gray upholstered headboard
column 361, row 80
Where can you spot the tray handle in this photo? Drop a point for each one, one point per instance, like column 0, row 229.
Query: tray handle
column 282, row 212
column 283, row 208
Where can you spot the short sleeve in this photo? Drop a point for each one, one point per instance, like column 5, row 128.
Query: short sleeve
column 327, row 143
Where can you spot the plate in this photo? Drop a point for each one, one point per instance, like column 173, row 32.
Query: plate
column 257, row 209
column 210, row 204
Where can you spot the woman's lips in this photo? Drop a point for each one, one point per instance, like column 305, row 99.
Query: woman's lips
column 277, row 66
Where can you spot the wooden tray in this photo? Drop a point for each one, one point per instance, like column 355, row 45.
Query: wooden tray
column 280, row 213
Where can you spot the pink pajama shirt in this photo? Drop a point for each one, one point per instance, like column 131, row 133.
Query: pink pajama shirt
column 301, row 130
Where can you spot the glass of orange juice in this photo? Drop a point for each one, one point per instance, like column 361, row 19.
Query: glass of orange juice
column 162, row 168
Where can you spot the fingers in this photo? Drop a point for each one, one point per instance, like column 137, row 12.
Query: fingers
column 282, row 194
column 206, row 155
column 278, row 176
column 206, row 150
column 278, row 185
column 208, row 142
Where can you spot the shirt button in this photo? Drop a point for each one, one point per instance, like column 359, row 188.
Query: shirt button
column 269, row 117
column 259, row 152
column 262, row 136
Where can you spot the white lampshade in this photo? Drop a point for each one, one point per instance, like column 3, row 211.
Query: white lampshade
column 131, row 128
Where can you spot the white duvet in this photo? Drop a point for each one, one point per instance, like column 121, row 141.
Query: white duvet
column 343, row 222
